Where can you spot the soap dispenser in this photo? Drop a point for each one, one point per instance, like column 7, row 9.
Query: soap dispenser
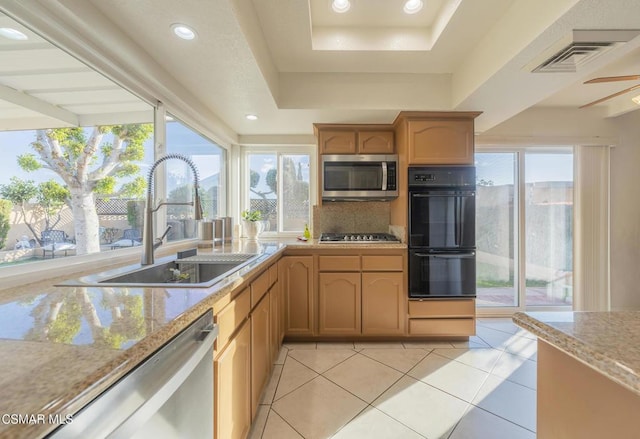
column 307, row 233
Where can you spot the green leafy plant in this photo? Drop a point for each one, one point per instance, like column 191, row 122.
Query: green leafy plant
column 251, row 215
column 5, row 215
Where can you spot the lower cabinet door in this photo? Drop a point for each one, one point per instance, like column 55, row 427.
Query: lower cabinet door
column 274, row 318
column 260, row 351
column 339, row 303
column 232, row 375
column 383, row 304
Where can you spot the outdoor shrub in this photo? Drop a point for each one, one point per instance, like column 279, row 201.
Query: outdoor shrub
column 5, row 215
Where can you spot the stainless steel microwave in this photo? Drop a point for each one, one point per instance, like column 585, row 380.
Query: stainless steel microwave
column 359, row 177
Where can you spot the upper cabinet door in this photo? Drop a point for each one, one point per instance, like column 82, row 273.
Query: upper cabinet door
column 375, row 142
column 337, row 142
column 441, row 142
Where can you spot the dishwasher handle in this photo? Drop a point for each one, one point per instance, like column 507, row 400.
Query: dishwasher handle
column 168, row 388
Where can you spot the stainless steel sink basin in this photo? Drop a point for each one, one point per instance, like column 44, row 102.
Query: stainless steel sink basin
column 192, row 272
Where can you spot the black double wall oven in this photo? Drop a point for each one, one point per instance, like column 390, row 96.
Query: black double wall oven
column 442, row 243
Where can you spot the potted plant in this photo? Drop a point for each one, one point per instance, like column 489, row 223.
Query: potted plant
column 251, row 223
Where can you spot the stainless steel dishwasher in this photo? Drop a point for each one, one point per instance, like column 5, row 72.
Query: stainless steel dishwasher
column 170, row 395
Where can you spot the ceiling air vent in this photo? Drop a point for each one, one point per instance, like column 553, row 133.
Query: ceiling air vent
column 579, row 48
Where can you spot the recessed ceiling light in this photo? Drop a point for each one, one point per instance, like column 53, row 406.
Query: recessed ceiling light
column 340, row 6
column 12, row 34
column 412, row 6
column 183, row 31
column 251, row 117
column 636, row 99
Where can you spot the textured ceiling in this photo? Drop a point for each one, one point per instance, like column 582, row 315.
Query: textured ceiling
column 255, row 56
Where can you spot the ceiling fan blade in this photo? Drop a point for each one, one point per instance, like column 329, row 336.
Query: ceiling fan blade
column 621, row 92
column 612, row 79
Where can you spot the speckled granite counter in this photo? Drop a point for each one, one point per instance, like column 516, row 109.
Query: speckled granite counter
column 608, row 342
column 60, row 347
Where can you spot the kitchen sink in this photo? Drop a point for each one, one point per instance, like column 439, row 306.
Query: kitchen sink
column 192, row 272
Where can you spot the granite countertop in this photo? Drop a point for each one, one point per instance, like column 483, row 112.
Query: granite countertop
column 60, row 347
column 608, row 342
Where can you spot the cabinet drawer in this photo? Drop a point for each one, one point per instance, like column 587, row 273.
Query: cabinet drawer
column 442, row 308
column 273, row 274
column 259, row 287
column 339, row 263
column 457, row 327
column 382, row 263
column 231, row 317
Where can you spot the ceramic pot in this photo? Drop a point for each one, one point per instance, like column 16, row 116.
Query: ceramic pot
column 252, row 229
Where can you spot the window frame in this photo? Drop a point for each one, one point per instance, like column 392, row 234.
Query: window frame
column 278, row 151
column 519, row 240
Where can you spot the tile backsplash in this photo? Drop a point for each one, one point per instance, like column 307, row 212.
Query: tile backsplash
column 346, row 216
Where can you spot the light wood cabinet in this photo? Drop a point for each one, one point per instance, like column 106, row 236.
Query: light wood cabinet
column 453, row 317
column 337, row 141
column 232, row 376
column 274, row 317
column 297, row 279
column 441, row 142
column 375, row 142
column 355, row 139
column 339, row 303
column 383, row 299
column 260, row 351
column 230, row 318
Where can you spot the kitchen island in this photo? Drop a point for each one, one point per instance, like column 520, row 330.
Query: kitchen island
column 588, row 373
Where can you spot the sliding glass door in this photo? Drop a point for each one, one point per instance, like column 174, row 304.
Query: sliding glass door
column 524, row 220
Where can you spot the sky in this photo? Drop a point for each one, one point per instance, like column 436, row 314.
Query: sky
column 179, row 139
column 539, row 167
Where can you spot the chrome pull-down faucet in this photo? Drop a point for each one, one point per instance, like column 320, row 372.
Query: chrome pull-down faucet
column 149, row 243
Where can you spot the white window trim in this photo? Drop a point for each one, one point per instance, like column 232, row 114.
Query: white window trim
column 310, row 150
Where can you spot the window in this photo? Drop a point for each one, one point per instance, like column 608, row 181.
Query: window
column 524, row 221
column 209, row 160
column 278, row 184
column 48, row 217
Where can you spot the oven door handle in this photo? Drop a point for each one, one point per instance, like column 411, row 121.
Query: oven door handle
column 442, row 194
column 446, row 256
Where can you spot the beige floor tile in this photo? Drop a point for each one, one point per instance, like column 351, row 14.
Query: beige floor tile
column 294, row 374
column 321, row 360
column 282, row 355
column 399, row 359
column 364, row 377
column 378, row 345
column 427, row 344
column 269, row 391
column 425, row 409
column 525, row 347
column 479, row 424
column 508, row 400
column 499, row 324
column 495, row 339
column 483, row 359
column 277, row 428
column 517, row 369
column 300, row 345
column 473, row 343
column 373, row 424
column 259, row 422
column 331, row 345
column 318, row 409
column 450, row 376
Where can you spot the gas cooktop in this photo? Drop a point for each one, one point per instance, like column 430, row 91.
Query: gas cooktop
column 357, row 238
